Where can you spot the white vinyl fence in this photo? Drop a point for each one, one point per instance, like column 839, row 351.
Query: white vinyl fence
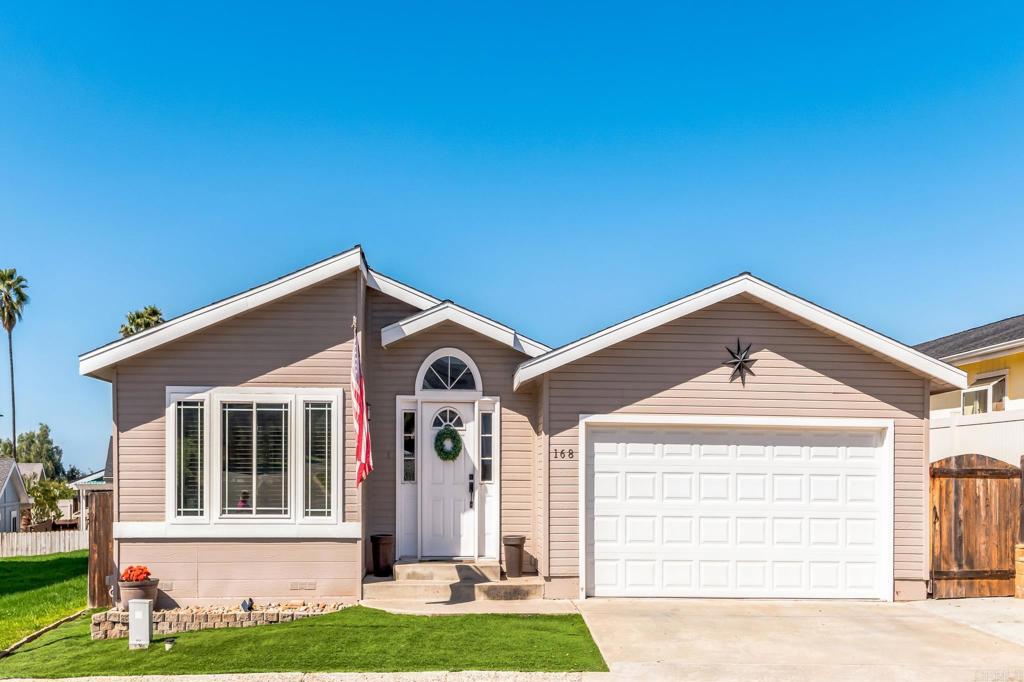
column 49, row 542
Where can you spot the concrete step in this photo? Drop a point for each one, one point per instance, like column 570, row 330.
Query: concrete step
column 425, row 590
column 530, row 587
column 457, row 591
column 452, row 571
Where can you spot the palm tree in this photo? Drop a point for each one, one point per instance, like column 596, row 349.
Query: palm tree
column 138, row 320
column 12, row 303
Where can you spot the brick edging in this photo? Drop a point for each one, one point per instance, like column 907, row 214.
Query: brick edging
column 38, row 633
column 113, row 624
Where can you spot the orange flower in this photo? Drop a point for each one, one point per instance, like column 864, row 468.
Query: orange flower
column 135, row 574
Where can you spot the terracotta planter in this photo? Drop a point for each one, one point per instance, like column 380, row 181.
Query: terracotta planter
column 143, row 589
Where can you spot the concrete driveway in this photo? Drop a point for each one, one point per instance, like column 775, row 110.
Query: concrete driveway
column 723, row 640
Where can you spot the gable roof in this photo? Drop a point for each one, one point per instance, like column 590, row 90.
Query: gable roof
column 446, row 311
column 32, row 469
column 11, row 471
column 993, row 338
column 96, row 362
column 744, row 283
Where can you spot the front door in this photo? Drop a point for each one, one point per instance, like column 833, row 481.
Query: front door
column 447, row 518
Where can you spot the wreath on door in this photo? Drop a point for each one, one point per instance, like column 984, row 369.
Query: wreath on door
column 448, row 444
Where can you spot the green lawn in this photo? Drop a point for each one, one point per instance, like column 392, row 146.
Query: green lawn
column 37, row 590
column 355, row 639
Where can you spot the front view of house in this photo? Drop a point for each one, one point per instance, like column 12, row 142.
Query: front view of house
column 737, row 442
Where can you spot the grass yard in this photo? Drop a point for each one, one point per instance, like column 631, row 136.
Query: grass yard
column 355, row 639
column 37, row 590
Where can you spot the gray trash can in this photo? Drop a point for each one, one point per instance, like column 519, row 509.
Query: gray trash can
column 513, row 554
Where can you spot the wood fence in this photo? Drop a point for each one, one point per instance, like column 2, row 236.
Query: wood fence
column 48, row 542
column 976, row 521
column 101, row 547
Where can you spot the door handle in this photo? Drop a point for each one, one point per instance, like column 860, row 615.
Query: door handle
column 471, row 489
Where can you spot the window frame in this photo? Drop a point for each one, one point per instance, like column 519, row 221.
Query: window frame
column 415, row 445
column 454, row 394
column 994, row 378
column 480, row 445
column 213, row 398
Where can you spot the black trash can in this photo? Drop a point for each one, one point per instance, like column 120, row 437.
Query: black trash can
column 382, row 547
column 513, row 554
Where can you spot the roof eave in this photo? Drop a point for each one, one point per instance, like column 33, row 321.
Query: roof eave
column 98, row 363
column 986, row 352
column 744, row 284
column 447, row 311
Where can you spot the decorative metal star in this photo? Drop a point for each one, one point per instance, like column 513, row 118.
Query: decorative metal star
column 740, row 363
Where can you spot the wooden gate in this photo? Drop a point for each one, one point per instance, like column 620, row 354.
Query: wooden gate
column 101, row 546
column 976, row 516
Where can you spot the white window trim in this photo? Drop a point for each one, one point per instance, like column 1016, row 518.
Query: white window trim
column 1003, row 374
column 450, row 394
column 886, row 426
column 213, row 398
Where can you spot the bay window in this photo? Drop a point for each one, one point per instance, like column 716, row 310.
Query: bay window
column 985, row 394
column 260, row 454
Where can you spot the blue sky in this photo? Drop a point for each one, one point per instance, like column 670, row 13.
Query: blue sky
column 555, row 169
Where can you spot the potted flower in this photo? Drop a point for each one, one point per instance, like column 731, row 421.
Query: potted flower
column 136, row 583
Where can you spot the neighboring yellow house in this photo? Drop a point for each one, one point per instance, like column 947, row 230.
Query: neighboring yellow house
column 988, row 416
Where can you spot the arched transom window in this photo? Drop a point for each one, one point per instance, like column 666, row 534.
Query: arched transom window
column 446, row 416
column 449, row 373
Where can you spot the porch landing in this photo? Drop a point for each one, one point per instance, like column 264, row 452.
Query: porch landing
column 451, row 582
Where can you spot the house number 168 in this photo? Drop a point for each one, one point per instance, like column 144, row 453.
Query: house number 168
column 562, row 454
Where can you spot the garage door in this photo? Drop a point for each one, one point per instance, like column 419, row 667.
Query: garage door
column 738, row 513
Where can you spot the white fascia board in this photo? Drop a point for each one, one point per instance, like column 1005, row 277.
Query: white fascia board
column 155, row 530
column 400, row 291
column 986, row 353
column 450, row 312
column 95, row 361
column 759, row 289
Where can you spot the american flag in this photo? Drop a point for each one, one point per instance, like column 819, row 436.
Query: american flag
column 364, row 457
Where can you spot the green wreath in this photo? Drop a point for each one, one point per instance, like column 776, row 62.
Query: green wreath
column 448, row 444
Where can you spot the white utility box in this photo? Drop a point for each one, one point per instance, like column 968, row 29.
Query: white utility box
column 140, row 623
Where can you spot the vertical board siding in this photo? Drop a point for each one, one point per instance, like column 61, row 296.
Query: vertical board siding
column 800, row 371
column 392, row 372
column 304, row 340
column 46, row 542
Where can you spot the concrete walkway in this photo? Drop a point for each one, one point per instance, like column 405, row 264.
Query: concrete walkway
column 726, row 640
column 1001, row 617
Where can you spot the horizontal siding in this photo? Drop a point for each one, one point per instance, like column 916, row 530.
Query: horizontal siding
column 225, row 570
column 800, row 371
column 392, row 372
column 304, row 340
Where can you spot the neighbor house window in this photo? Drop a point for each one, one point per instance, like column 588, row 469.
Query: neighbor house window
column 408, row 446
column 486, row 446
column 254, row 459
column 318, row 459
column 189, row 458
column 984, row 395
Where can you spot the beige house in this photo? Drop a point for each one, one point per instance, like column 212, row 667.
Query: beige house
column 643, row 460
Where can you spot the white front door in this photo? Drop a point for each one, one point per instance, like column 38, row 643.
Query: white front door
column 738, row 513
column 447, row 518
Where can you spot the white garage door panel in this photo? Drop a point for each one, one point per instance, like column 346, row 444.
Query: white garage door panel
column 737, row 513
